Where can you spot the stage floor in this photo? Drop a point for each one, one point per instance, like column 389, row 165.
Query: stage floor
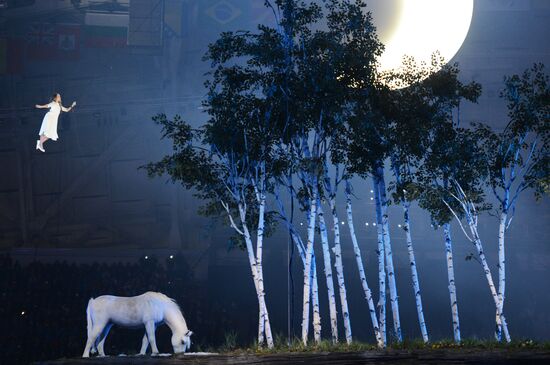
column 372, row 357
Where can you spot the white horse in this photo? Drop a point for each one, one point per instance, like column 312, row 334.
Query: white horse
column 150, row 310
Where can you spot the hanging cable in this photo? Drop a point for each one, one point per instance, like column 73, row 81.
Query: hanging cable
column 290, row 279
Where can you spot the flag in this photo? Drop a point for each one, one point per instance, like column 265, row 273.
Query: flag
column 41, row 41
column 227, row 15
column 223, row 12
column 46, row 41
column 203, row 20
column 245, row 14
column 106, row 30
column 68, row 41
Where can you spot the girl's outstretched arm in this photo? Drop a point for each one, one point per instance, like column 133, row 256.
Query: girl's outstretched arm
column 45, row 106
column 69, row 108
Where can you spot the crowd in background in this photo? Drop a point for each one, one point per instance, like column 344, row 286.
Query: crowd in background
column 43, row 305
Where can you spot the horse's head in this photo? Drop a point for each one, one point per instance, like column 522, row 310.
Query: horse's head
column 181, row 343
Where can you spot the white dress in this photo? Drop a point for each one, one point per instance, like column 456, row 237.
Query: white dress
column 49, row 123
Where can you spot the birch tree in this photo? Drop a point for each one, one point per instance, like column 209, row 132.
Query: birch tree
column 222, row 179
column 327, row 261
column 368, row 149
column 518, row 157
column 454, row 159
column 320, row 89
column 365, row 149
column 302, row 72
column 408, row 112
column 331, row 191
column 454, row 173
column 311, row 219
column 471, row 215
column 284, row 178
column 235, row 144
column 415, row 102
column 294, row 19
column 350, row 59
column 359, row 260
column 446, row 154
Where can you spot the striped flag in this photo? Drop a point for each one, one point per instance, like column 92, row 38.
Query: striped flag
column 106, row 30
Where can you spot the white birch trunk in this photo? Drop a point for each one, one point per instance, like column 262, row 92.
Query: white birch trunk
column 381, row 264
column 500, row 319
column 394, row 299
column 328, row 273
column 414, row 273
column 472, row 219
column 313, row 276
column 258, row 283
column 308, row 269
column 315, row 301
column 264, row 324
column 359, row 260
column 451, row 281
column 259, row 249
column 501, row 264
column 314, row 286
column 340, row 272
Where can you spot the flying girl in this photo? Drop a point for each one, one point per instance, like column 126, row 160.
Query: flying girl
column 48, row 130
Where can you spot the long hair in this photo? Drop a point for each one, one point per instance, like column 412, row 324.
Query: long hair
column 54, row 96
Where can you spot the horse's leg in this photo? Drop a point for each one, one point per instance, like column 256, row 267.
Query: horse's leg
column 150, row 328
column 96, row 331
column 144, row 345
column 94, row 348
column 101, row 339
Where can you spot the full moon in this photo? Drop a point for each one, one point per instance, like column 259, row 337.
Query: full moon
column 418, row 28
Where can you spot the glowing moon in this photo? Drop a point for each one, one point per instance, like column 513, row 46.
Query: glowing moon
column 418, row 28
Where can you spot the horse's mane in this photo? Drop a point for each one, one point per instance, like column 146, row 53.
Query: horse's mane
column 164, row 298
column 169, row 302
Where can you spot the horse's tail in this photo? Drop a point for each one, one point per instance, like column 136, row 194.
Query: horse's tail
column 89, row 317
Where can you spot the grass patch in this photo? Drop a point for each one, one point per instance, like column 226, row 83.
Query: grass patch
column 296, row 346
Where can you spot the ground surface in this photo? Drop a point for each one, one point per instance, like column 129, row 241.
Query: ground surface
column 455, row 357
